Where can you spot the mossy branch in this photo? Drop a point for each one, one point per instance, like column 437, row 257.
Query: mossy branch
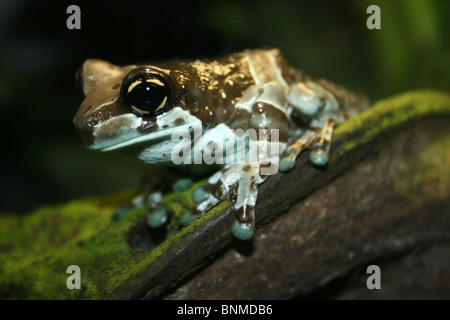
column 383, row 192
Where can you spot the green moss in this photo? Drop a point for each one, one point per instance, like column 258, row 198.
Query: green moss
column 37, row 249
column 171, row 244
column 392, row 112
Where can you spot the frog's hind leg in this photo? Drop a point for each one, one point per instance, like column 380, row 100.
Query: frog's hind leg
column 316, row 139
column 290, row 155
column 321, row 145
column 238, row 183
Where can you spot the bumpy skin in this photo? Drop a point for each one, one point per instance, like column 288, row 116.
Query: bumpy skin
column 254, row 89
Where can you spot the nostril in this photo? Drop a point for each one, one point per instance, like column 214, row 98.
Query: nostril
column 116, row 86
column 85, row 134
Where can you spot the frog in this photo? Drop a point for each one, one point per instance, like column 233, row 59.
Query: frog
column 238, row 103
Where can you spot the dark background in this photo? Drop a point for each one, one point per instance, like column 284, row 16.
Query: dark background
column 41, row 160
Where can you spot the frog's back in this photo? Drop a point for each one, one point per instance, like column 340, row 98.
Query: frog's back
column 282, row 97
column 269, row 65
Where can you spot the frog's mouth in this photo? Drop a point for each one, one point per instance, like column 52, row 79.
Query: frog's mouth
column 150, row 139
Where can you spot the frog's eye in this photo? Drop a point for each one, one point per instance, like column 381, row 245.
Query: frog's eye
column 146, row 91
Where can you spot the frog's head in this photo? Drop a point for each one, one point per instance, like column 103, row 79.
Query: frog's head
column 129, row 107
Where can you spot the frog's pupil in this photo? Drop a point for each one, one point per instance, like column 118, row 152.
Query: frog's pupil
column 147, row 96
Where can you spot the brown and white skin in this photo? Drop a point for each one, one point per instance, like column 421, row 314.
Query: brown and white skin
column 251, row 113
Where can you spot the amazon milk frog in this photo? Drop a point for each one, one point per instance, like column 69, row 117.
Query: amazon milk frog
column 252, row 102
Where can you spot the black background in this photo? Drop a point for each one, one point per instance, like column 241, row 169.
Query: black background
column 42, row 162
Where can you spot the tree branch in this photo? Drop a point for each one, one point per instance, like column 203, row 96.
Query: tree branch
column 384, row 194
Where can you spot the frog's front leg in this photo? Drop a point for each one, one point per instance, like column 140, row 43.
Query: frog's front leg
column 238, row 183
column 158, row 214
column 322, row 111
column 138, row 201
column 243, row 227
